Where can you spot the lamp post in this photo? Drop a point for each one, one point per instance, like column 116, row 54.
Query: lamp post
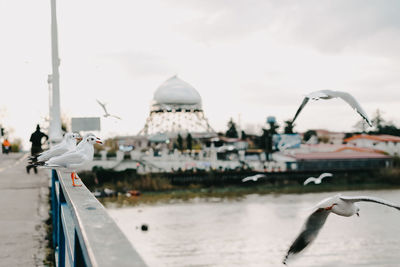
column 55, row 134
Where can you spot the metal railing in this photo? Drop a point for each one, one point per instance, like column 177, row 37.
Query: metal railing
column 83, row 232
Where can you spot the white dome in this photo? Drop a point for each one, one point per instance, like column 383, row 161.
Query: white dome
column 175, row 93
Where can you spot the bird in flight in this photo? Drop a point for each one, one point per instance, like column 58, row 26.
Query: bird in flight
column 319, row 179
column 254, row 177
column 106, row 114
column 329, row 94
column 340, row 205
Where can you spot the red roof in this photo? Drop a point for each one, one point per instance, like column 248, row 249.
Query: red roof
column 381, row 138
column 339, row 155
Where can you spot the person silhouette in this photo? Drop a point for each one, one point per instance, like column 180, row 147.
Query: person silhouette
column 36, row 140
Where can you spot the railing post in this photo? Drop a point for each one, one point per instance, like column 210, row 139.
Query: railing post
column 54, row 206
column 61, row 232
column 78, row 256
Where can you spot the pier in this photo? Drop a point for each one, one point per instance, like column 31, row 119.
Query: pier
column 24, row 210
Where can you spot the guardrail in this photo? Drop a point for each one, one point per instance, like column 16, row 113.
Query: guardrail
column 83, row 232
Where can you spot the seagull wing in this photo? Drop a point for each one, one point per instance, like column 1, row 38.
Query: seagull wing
column 103, row 106
column 115, row 117
column 309, row 232
column 325, row 174
column 67, row 159
column 52, row 153
column 352, row 102
column 305, row 100
column 309, row 180
column 370, row 199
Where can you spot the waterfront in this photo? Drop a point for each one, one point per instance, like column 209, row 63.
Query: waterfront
column 256, row 230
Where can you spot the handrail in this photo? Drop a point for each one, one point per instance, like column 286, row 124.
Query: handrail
column 83, row 232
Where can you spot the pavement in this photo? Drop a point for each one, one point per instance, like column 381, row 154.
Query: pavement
column 23, row 210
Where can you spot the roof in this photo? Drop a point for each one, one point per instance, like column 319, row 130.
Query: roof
column 379, row 138
column 339, row 155
column 176, row 92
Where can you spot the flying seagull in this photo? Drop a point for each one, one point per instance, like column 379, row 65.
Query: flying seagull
column 340, row 205
column 254, row 177
column 106, row 114
column 329, row 94
column 319, row 179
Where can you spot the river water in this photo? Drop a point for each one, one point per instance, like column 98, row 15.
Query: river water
column 257, row 230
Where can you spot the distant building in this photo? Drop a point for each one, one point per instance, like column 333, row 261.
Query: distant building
column 177, row 109
column 330, row 137
column 387, row 143
column 336, row 161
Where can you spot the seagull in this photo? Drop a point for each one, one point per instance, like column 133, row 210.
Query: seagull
column 106, row 114
column 70, row 162
column 68, row 143
column 319, row 179
column 254, row 177
column 329, row 94
column 338, row 204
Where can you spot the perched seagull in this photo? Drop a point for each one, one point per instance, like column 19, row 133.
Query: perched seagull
column 319, row 179
column 106, row 114
column 68, row 143
column 340, row 205
column 254, row 177
column 70, row 162
column 329, row 94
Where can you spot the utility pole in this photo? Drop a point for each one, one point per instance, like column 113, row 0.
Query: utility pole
column 55, row 134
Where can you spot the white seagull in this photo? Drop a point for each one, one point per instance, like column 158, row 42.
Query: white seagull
column 319, row 179
column 70, row 162
column 106, row 114
column 68, row 143
column 340, row 205
column 254, row 177
column 329, row 94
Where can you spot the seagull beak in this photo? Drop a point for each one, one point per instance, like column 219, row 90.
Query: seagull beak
column 99, row 142
column 79, row 138
column 358, row 214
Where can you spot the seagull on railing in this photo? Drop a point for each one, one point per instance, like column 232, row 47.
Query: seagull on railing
column 329, row 94
column 71, row 161
column 340, row 205
column 319, row 179
column 106, row 114
column 68, row 143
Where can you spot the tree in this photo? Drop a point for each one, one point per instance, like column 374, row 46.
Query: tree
column 377, row 120
column 232, row 132
column 308, row 134
column 189, row 141
column 273, row 126
column 288, row 127
column 361, row 126
column 179, row 139
column 244, row 135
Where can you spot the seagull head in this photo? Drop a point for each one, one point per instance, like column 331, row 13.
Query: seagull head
column 93, row 140
column 76, row 136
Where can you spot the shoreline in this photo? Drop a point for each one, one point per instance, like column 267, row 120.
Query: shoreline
column 230, row 192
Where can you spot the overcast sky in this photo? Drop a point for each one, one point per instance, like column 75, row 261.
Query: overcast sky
column 253, row 58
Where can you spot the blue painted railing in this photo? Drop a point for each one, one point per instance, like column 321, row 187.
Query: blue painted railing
column 83, row 232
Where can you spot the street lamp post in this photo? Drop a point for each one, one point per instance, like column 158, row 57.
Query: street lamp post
column 55, row 133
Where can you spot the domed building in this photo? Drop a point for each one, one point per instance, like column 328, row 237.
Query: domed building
column 177, row 109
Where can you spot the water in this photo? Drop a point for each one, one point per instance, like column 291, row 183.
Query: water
column 257, row 231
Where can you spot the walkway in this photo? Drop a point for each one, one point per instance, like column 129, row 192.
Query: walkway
column 23, row 210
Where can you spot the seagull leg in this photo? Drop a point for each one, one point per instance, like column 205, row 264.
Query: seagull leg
column 73, row 179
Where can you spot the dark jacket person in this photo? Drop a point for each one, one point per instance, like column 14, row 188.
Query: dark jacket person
column 36, row 140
